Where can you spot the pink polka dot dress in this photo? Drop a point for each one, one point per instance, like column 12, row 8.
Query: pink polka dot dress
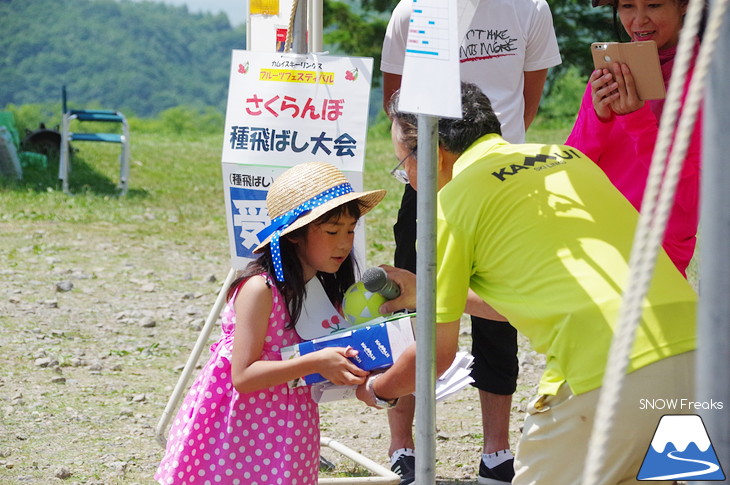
column 221, row 437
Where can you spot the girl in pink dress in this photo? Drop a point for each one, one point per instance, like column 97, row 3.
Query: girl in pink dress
column 240, row 422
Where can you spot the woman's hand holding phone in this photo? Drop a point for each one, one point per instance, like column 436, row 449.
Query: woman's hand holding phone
column 615, row 87
column 603, row 92
column 614, row 91
column 628, row 100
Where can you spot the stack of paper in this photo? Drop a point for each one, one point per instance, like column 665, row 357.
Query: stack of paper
column 456, row 377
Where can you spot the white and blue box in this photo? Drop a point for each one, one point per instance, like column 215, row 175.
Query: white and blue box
column 379, row 345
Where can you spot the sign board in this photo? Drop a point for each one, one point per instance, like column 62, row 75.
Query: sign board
column 245, row 188
column 267, row 24
column 265, row 7
column 431, row 63
column 286, row 109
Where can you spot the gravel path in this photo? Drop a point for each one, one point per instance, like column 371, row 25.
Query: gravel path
column 96, row 323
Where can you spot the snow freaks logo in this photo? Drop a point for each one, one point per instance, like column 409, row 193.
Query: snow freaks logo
column 681, row 449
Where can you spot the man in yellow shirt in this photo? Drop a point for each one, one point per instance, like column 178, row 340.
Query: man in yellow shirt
column 539, row 235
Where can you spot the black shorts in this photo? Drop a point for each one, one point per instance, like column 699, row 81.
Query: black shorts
column 494, row 344
column 404, row 231
column 494, row 347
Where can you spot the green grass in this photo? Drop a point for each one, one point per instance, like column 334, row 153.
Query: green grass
column 174, row 180
column 547, row 135
column 176, row 189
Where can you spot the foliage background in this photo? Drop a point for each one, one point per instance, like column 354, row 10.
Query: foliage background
column 146, row 58
column 140, row 58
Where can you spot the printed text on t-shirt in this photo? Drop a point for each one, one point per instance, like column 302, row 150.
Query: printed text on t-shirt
column 484, row 44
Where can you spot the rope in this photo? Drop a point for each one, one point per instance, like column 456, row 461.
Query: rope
column 290, row 28
column 656, row 206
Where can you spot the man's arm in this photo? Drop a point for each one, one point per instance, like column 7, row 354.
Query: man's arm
column 479, row 308
column 400, row 379
column 407, row 298
column 532, row 92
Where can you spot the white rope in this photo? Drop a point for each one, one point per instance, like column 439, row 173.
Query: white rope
column 655, row 209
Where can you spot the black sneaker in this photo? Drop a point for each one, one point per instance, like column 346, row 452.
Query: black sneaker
column 499, row 475
column 405, row 466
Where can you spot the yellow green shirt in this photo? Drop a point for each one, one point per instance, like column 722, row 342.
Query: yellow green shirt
column 541, row 234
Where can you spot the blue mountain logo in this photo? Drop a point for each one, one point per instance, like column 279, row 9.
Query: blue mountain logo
column 681, row 449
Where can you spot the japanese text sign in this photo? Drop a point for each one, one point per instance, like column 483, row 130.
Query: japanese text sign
column 285, row 109
column 246, row 187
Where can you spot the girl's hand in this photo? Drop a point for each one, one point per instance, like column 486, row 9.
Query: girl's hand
column 338, row 369
column 604, row 91
column 628, row 100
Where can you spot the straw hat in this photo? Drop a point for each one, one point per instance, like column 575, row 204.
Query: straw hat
column 306, row 181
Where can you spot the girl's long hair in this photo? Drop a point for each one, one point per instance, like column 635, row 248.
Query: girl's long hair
column 293, row 289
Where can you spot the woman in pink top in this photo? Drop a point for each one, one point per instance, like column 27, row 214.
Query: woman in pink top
column 618, row 130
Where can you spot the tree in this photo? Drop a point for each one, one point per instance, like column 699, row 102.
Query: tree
column 355, row 31
column 577, row 25
column 138, row 57
column 358, row 27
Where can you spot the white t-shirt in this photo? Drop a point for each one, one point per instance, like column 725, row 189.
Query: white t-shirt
column 505, row 38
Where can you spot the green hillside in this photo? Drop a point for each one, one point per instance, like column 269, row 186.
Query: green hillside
column 144, row 58
column 141, row 58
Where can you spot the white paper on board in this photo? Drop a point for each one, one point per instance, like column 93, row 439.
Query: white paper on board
column 431, row 83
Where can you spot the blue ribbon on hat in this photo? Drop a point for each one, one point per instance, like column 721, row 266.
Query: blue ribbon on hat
column 283, row 221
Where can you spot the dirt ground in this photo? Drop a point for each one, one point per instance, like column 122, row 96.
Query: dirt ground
column 96, row 325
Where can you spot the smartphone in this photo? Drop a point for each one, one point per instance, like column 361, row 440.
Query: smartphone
column 642, row 58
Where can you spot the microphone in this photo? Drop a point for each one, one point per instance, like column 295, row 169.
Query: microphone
column 376, row 280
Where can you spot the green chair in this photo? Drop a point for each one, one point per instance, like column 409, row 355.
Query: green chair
column 98, row 115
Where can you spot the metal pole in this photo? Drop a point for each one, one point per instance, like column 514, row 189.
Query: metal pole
column 65, row 155
column 713, row 332
column 124, row 157
column 200, row 344
column 247, row 5
column 384, row 476
column 426, row 301
column 299, row 36
column 315, row 32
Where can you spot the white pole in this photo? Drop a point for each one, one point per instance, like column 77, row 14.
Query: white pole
column 299, row 33
column 315, row 31
column 385, row 476
column 182, row 381
column 426, row 301
column 124, row 157
column 248, row 24
column 65, row 156
column 713, row 332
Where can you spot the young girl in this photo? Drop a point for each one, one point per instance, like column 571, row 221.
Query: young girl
column 618, row 130
column 240, row 422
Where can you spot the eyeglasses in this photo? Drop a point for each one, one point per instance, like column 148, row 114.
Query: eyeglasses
column 398, row 173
